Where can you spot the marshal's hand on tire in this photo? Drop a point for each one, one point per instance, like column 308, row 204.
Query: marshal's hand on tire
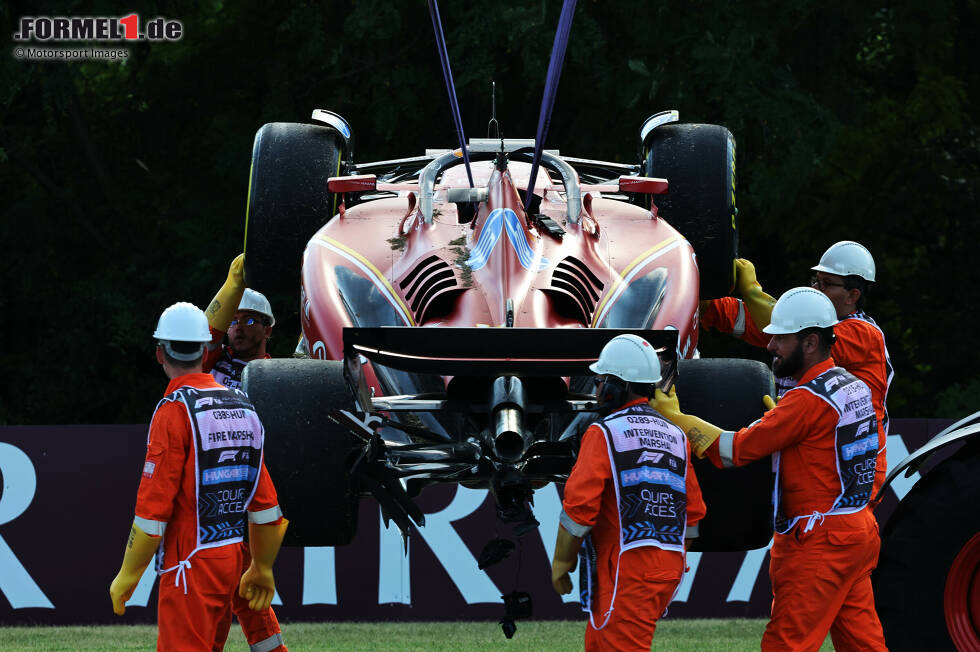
column 222, row 308
column 699, row 432
column 757, row 302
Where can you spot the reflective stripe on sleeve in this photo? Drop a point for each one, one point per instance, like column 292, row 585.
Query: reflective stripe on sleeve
column 726, row 448
column 153, row 528
column 573, row 528
column 738, row 330
column 268, row 644
column 265, row 516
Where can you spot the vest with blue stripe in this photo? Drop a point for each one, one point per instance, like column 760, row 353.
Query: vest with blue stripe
column 228, row 440
column 648, row 459
column 855, row 445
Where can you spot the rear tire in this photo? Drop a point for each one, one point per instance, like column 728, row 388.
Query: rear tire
column 728, row 393
column 927, row 583
column 288, row 200
column 698, row 162
column 307, row 454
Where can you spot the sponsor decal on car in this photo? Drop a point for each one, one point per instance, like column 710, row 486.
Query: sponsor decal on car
column 498, row 220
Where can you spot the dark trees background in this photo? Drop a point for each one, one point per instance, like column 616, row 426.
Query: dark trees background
column 123, row 185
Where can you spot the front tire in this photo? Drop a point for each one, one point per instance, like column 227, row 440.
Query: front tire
column 927, row 584
column 307, row 454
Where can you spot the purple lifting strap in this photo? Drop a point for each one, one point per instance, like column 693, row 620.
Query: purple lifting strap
column 447, row 73
column 550, row 90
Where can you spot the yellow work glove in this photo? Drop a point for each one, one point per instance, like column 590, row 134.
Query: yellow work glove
column 258, row 585
column 768, row 403
column 139, row 552
column 757, row 302
column 224, row 305
column 565, row 560
column 699, row 432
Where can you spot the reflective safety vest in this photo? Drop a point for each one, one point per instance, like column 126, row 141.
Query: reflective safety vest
column 855, row 443
column 228, row 439
column 228, row 370
column 889, row 369
column 648, row 459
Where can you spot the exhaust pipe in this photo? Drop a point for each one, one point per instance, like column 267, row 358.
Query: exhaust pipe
column 508, row 437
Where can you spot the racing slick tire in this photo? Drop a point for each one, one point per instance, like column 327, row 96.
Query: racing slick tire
column 307, row 454
column 728, row 393
column 698, row 161
column 288, row 200
column 927, row 584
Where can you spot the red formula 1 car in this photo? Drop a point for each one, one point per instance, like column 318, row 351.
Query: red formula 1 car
column 448, row 324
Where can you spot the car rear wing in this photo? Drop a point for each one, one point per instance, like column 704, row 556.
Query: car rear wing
column 524, row 352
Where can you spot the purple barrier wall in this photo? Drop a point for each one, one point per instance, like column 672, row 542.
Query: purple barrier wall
column 67, row 504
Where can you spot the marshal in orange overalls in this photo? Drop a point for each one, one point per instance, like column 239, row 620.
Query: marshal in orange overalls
column 821, row 568
column 648, row 575
column 859, row 348
column 200, row 618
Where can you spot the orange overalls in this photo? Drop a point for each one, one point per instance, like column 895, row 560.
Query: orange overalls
column 648, row 576
column 821, row 578
column 200, row 618
column 860, row 348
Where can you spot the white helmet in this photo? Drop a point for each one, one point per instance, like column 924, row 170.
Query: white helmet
column 256, row 302
column 801, row 308
column 183, row 322
column 847, row 258
column 630, row 358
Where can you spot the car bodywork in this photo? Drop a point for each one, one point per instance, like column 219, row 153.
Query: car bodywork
column 583, row 261
column 463, row 315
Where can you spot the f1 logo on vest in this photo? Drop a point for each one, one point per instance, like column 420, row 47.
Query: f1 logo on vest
column 227, row 456
column 647, row 456
column 832, row 382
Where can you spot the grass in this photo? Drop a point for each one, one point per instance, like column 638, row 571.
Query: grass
column 673, row 635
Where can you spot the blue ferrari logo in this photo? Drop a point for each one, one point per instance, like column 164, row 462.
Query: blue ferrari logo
column 498, row 220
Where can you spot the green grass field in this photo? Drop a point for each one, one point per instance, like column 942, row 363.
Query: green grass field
column 672, row 635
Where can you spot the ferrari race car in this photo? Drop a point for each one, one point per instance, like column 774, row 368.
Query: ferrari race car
column 449, row 316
